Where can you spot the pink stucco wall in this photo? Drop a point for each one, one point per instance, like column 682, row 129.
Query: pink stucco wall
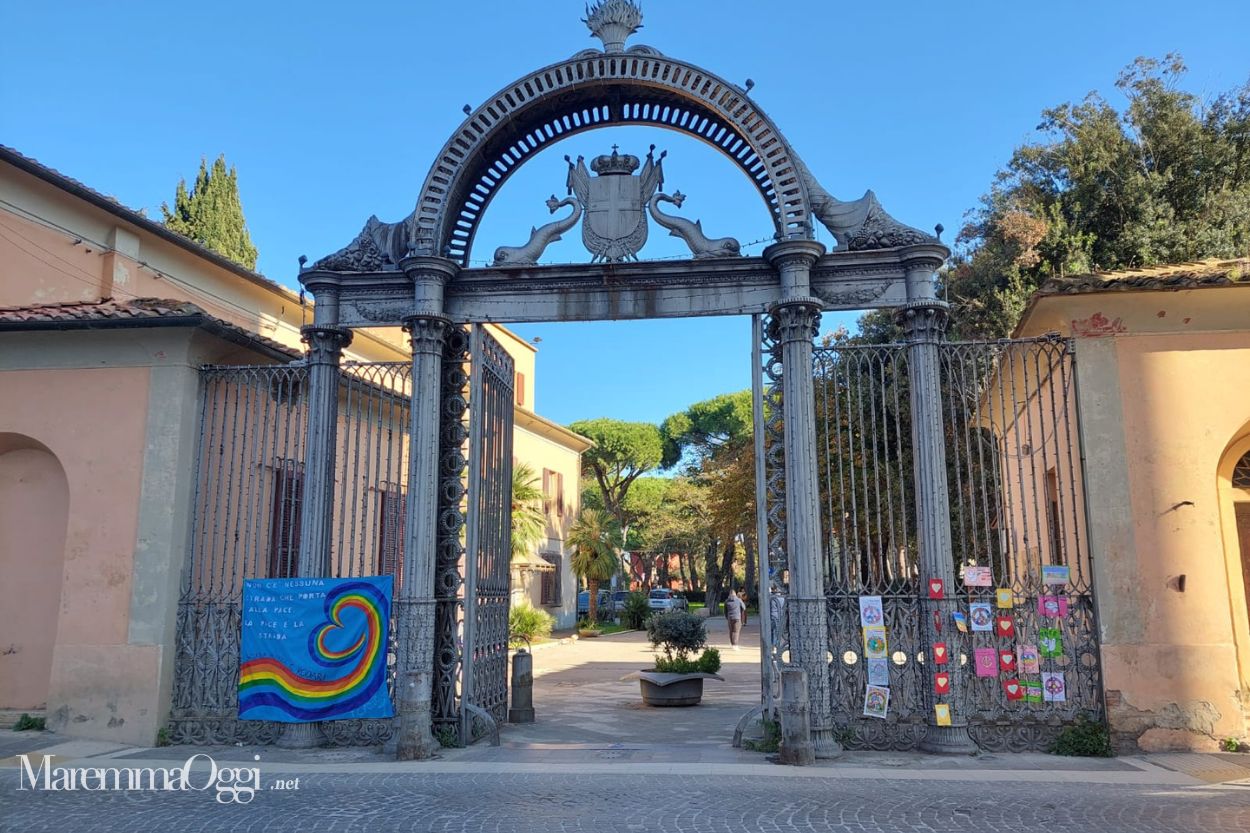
column 34, row 511
column 92, row 422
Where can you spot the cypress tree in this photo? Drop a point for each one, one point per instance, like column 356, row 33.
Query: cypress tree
column 211, row 213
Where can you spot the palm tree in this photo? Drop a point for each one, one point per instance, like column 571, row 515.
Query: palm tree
column 594, row 556
column 529, row 522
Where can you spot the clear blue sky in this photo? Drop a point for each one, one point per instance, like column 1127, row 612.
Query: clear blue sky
column 333, row 111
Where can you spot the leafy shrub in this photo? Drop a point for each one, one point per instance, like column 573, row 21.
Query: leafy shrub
column 709, row 661
column 527, row 623
column 1085, row 738
column 584, row 624
column 677, row 633
column 26, row 723
column 1232, row 745
column 637, row 610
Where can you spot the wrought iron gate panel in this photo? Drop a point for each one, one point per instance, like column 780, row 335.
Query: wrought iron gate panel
column 248, row 489
column 448, row 574
column 864, row 461
column 489, row 534
column 773, row 551
column 1016, row 503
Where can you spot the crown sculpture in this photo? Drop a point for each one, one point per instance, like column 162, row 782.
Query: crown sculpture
column 612, row 202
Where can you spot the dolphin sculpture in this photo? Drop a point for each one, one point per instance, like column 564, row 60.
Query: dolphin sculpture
column 540, row 238
column 701, row 246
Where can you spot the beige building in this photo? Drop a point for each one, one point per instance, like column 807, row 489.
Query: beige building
column 106, row 318
column 1163, row 382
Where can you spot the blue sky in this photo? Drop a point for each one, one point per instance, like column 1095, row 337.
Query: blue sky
column 334, row 111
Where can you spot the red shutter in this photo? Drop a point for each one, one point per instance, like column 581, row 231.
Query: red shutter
column 520, row 389
column 284, row 526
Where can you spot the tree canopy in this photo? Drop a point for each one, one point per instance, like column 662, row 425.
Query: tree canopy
column 211, row 213
column 1164, row 179
column 623, row 452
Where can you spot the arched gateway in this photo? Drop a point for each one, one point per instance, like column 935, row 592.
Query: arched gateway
column 451, row 610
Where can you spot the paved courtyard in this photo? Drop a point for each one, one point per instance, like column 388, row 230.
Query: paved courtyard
column 597, row 761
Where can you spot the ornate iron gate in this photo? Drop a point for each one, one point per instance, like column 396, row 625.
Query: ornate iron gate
column 249, row 490
column 1016, row 485
column 475, row 536
column 248, row 494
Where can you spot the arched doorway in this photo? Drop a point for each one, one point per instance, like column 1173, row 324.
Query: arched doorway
column 1234, row 485
column 34, row 513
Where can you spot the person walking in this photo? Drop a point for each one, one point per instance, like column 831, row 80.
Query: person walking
column 735, row 615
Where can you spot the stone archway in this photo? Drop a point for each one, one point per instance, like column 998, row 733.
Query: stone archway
column 34, row 514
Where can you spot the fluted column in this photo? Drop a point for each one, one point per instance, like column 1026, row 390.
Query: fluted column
column 427, row 330
column 923, row 320
column 796, row 318
column 325, row 342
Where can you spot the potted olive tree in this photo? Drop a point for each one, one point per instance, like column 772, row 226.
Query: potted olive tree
column 677, row 678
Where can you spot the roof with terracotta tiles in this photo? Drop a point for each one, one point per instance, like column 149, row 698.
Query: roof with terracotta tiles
column 139, row 312
column 1173, row 276
column 110, row 204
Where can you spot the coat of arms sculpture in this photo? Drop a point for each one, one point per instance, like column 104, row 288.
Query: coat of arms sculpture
column 612, row 206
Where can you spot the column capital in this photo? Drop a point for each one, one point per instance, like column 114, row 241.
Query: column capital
column 325, row 344
column 923, row 321
column 427, row 333
column 796, row 319
column 426, row 267
column 792, row 254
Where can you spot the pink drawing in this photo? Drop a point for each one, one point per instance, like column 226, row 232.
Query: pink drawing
column 1052, row 607
column 987, row 662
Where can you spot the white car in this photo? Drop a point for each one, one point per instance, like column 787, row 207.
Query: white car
column 667, row 600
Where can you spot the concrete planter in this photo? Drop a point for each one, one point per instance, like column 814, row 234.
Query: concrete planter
column 586, row 633
column 663, row 689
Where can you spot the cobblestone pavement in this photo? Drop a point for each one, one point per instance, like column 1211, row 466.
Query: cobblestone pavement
column 613, row 803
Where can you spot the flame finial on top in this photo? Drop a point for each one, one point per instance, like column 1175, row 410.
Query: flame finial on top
column 612, row 21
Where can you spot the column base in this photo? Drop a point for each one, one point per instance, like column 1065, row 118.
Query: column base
column 520, row 715
column 948, row 740
column 300, row 736
column 826, row 745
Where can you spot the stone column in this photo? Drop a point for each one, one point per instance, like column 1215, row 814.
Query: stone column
column 923, row 319
column 427, row 329
column 797, row 319
column 325, row 340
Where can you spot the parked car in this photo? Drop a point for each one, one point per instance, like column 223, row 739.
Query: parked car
column 667, row 600
column 603, row 607
column 618, row 600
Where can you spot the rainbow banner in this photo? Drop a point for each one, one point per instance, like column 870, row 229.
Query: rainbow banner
column 315, row 649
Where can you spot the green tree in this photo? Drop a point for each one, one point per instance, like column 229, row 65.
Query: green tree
column 1165, row 179
column 211, row 213
column 715, row 439
column 594, row 555
column 528, row 519
column 623, row 452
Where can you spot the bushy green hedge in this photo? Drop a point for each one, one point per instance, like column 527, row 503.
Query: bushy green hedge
column 526, row 624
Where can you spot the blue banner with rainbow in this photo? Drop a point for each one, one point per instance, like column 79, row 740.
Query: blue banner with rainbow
column 315, row 649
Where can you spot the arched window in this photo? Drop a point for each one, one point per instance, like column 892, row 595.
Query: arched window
column 1241, row 472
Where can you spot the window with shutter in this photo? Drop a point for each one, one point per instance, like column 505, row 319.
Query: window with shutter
column 288, row 497
column 391, row 508
column 520, row 389
column 551, row 587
